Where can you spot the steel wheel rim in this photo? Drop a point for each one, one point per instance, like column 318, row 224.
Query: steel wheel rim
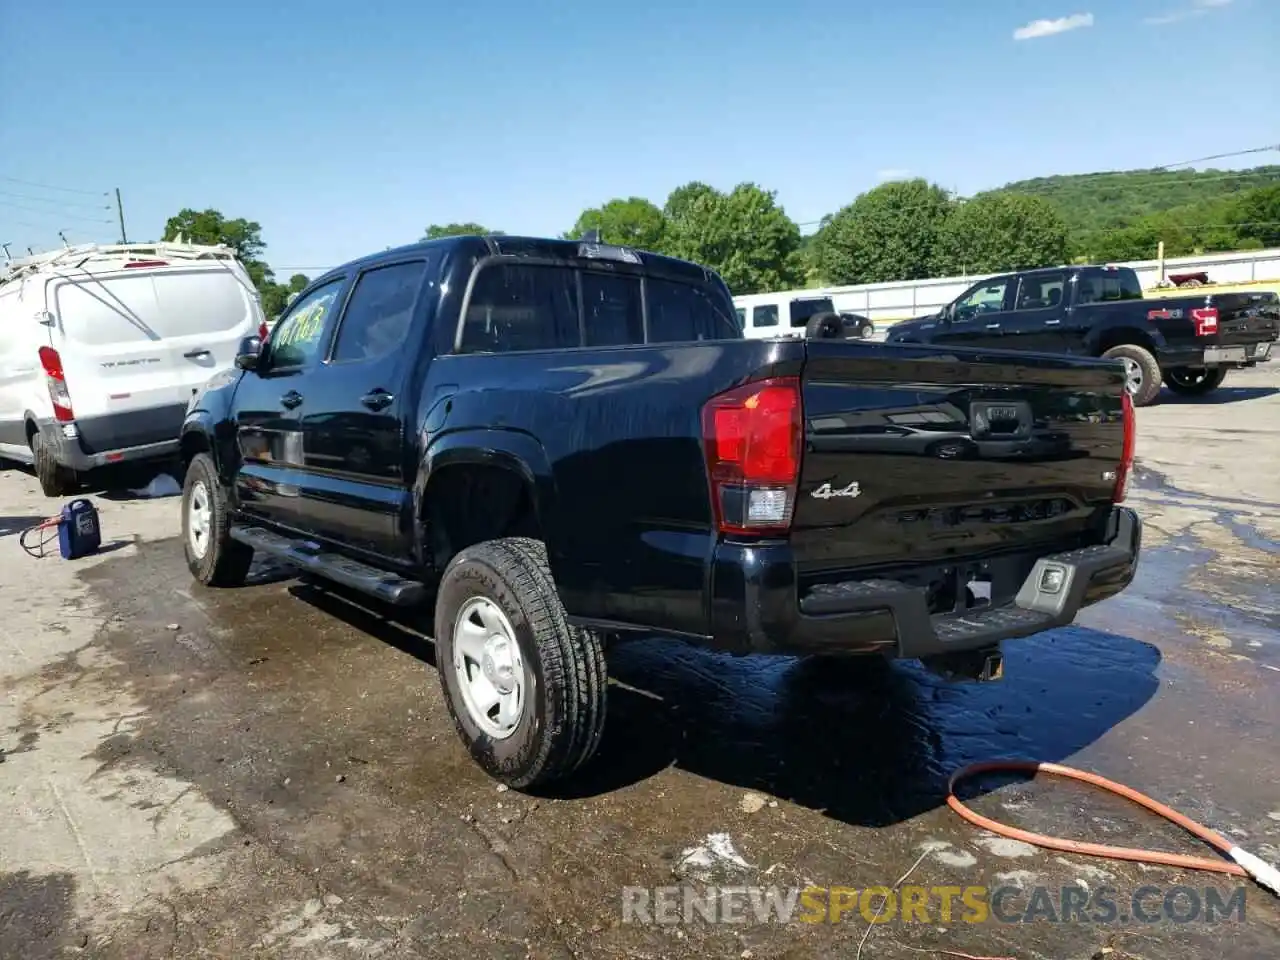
column 199, row 519
column 489, row 667
column 1132, row 376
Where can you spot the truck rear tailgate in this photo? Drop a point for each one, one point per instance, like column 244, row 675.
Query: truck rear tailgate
column 915, row 454
column 1245, row 319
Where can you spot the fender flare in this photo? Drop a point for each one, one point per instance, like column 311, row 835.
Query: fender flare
column 514, row 450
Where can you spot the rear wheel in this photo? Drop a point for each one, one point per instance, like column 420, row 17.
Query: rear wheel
column 1141, row 372
column 55, row 479
column 213, row 557
column 525, row 689
column 1194, row 382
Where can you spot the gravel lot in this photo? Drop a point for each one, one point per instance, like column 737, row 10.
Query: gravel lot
column 271, row 771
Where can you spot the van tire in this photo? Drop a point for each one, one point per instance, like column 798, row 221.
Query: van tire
column 561, row 711
column 224, row 562
column 1147, row 368
column 55, row 479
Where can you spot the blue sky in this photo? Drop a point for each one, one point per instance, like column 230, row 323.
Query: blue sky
column 344, row 128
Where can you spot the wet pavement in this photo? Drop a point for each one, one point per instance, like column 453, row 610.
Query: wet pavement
column 271, row 771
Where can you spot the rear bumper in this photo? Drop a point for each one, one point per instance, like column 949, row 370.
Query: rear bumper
column 92, row 442
column 1226, row 355
column 756, row 607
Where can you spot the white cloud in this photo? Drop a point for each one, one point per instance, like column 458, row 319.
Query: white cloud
column 1047, row 28
column 1198, row 8
column 893, row 173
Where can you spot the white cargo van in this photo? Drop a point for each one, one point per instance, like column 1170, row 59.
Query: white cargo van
column 101, row 347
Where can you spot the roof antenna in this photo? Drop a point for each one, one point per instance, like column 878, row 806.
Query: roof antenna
column 63, row 235
column 8, row 257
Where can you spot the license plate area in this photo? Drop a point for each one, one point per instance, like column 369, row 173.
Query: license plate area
column 1000, row 419
column 1224, row 355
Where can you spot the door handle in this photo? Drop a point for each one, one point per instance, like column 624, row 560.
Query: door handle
column 291, row 399
column 193, row 354
column 377, row 399
column 993, row 326
column 1052, row 323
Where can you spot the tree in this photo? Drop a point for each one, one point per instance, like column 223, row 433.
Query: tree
column 277, row 295
column 1002, row 231
column 633, row 222
column 1259, row 216
column 743, row 235
column 211, row 227
column 889, row 233
column 681, row 198
column 438, row 230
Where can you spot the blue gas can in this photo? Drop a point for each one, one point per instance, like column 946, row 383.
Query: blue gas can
column 78, row 532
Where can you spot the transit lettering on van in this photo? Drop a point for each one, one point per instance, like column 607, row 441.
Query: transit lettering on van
column 123, row 336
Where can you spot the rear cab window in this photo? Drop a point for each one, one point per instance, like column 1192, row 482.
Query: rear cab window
column 514, row 306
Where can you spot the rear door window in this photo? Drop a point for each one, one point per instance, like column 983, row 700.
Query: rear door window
column 1040, row 291
column 116, row 310
column 765, row 315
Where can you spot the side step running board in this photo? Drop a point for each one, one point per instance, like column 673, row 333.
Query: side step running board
column 351, row 573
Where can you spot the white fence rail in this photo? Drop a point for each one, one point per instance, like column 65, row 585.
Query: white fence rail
column 887, row 302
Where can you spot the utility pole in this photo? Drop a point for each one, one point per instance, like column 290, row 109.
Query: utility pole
column 120, row 214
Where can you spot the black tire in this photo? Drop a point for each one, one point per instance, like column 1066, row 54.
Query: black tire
column 1149, row 387
column 824, row 326
column 55, row 479
column 562, row 714
column 225, row 562
column 1191, row 382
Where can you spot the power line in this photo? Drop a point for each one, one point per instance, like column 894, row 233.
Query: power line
column 52, row 213
column 45, row 186
column 61, row 203
column 1225, row 156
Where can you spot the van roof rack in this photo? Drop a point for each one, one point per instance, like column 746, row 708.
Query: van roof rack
column 85, row 253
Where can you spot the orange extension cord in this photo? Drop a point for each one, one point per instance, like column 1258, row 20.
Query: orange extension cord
column 1258, row 870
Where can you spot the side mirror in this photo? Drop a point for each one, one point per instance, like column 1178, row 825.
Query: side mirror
column 248, row 353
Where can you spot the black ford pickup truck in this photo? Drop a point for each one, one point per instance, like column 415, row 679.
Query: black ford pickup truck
column 1189, row 342
column 563, row 444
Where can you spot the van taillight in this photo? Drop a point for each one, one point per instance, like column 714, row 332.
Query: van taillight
column 1127, row 450
column 1206, row 320
column 752, row 437
column 57, row 382
column 262, row 332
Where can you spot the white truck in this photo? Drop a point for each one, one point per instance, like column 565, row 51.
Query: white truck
column 765, row 315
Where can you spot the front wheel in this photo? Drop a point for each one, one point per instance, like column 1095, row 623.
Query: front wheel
column 213, row 557
column 1194, row 382
column 525, row 689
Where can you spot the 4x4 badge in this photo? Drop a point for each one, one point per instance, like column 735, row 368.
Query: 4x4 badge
column 825, row 492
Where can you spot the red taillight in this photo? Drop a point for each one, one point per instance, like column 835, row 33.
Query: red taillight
column 752, row 436
column 1125, row 470
column 57, row 382
column 1206, row 320
column 146, row 263
column 262, row 332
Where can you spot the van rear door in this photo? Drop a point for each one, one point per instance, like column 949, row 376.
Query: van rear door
column 135, row 343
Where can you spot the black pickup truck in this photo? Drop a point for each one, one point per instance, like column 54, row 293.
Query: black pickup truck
column 561, row 444
column 1189, row 342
